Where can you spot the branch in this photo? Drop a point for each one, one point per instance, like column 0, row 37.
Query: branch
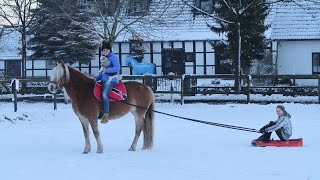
column 229, row 6
column 78, row 23
column 210, row 15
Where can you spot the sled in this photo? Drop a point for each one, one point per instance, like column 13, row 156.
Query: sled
column 278, row 143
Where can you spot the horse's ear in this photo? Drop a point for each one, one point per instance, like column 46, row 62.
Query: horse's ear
column 62, row 62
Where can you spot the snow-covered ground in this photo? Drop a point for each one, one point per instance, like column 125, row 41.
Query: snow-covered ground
column 40, row 143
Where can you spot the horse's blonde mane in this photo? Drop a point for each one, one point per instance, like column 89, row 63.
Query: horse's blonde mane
column 58, row 73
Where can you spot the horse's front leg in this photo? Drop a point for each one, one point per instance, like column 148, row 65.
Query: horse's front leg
column 95, row 129
column 85, row 126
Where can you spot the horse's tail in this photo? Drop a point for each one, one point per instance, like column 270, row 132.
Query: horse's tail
column 148, row 126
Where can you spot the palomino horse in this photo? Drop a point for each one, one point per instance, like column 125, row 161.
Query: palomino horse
column 79, row 87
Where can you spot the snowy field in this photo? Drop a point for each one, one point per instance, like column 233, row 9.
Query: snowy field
column 39, row 143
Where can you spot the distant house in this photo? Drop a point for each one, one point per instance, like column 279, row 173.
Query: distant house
column 10, row 57
column 295, row 35
column 182, row 46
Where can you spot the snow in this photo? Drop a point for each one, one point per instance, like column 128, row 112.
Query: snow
column 296, row 20
column 47, row 144
column 10, row 44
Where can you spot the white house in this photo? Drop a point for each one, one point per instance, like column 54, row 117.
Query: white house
column 295, row 35
column 10, row 57
column 181, row 46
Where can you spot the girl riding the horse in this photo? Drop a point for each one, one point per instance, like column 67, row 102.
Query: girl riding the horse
column 108, row 74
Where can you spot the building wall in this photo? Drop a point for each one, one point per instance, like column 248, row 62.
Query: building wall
column 2, row 70
column 295, row 57
column 204, row 62
column 204, row 55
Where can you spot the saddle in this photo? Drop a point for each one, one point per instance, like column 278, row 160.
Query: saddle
column 118, row 93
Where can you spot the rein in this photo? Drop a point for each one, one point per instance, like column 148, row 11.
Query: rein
column 195, row 120
column 180, row 117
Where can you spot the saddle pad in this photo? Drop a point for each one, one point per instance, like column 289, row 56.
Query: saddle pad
column 118, row 93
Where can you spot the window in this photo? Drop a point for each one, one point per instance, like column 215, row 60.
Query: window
column 138, row 7
column 205, row 5
column 190, row 57
column 316, row 63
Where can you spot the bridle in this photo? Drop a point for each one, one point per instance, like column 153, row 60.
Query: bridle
column 62, row 81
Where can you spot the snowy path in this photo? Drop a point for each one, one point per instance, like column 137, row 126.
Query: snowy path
column 48, row 144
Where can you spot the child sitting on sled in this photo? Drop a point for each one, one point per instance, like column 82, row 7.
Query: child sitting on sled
column 282, row 126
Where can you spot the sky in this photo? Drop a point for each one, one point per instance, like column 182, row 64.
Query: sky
column 40, row 143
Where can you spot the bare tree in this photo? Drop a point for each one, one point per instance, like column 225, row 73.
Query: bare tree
column 18, row 14
column 126, row 16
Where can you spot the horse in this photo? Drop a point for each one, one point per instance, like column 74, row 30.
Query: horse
column 140, row 68
column 79, row 87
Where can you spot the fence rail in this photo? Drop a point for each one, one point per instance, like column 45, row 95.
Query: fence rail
column 190, row 85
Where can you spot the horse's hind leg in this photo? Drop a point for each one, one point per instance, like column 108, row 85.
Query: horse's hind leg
column 94, row 126
column 139, row 125
column 85, row 127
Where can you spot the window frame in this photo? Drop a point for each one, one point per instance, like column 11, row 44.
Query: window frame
column 144, row 6
column 315, row 61
column 199, row 3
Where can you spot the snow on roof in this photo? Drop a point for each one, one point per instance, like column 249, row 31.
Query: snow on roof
column 10, row 44
column 181, row 25
column 296, row 20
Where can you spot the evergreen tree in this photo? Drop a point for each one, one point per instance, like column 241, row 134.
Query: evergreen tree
column 57, row 34
column 137, row 48
column 249, row 17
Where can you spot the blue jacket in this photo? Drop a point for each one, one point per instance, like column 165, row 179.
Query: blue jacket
column 111, row 70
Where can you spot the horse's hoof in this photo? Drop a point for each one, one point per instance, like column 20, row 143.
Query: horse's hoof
column 100, row 152
column 86, row 151
column 132, row 149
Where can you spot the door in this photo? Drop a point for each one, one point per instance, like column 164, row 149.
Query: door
column 173, row 60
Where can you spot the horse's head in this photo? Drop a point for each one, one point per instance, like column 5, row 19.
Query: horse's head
column 60, row 76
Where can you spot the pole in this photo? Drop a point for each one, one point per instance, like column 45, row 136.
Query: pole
column 248, row 88
column 54, row 101
column 14, row 90
column 182, row 88
column 239, row 58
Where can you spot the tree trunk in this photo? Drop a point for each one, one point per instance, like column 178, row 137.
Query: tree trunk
column 237, row 82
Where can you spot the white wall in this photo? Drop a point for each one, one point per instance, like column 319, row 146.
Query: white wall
column 2, row 64
column 2, row 68
column 295, row 57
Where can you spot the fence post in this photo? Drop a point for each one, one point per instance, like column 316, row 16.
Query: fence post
column 14, row 90
column 182, row 88
column 319, row 89
column 248, row 88
column 54, row 101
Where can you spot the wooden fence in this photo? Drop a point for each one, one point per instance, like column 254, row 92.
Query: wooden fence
column 187, row 85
